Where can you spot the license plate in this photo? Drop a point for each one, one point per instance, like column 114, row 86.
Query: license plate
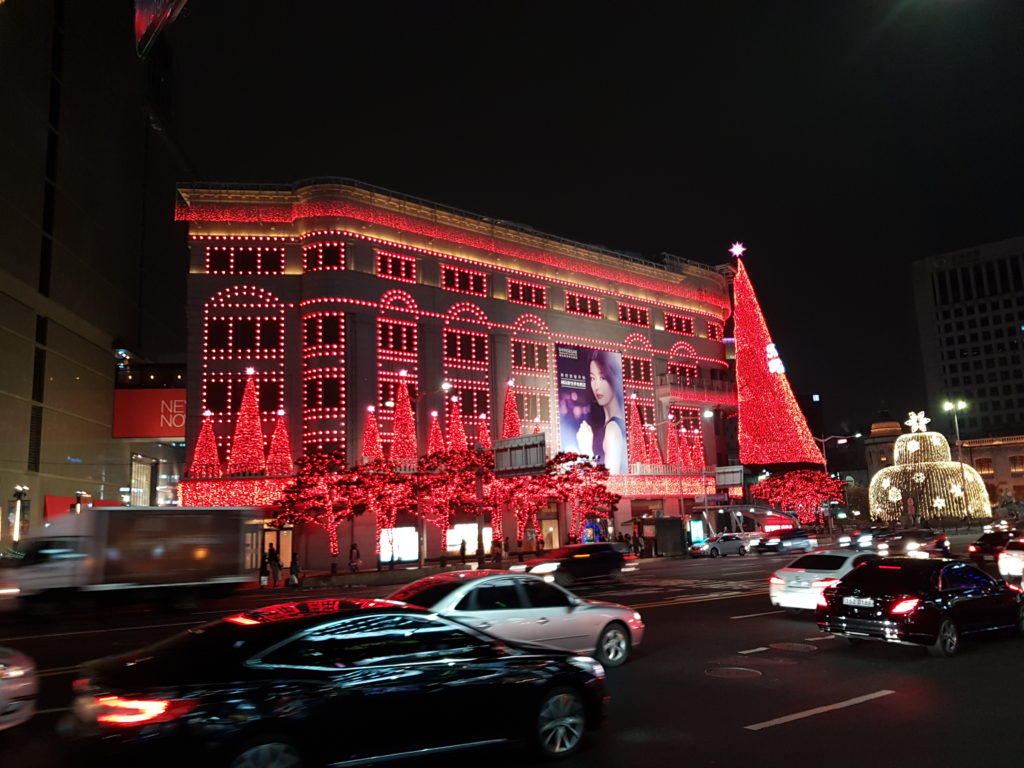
column 859, row 602
column 990, row 557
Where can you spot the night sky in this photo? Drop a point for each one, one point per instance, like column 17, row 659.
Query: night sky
column 839, row 140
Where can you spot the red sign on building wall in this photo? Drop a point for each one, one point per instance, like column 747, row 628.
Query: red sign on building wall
column 149, row 413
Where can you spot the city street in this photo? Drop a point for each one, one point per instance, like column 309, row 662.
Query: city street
column 720, row 678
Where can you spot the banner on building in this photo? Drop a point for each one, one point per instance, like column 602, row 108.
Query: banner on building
column 591, row 407
column 149, row 413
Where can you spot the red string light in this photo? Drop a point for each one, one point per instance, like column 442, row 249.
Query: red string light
column 247, row 456
column 510, row 425
column 279, row 458
column 205, row 458
column 372, row 448
column 803, row 491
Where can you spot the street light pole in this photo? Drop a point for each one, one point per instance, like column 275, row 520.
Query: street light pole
column 840, row 440
column 959, row 405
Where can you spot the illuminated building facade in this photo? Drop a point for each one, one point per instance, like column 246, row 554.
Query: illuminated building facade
column 330, row 288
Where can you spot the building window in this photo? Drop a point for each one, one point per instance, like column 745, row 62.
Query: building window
column 463, row 280
column 984, row 467
column 319, row 257
column 578, row 304
column 636, row 370
column 396, row 336
column 533, row 407
column 679, row 324
column 465, row 349
column 531, row 355
column 396, row 266
column 687, row 418
column 714, row 331
column 1017, row 465
column 323, row 333
column 682, row 374
column 244, row 260
column 524, row 293
column 632, row 315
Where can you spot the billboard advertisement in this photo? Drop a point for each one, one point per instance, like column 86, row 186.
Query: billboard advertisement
column 142, row 413
column 591, row 408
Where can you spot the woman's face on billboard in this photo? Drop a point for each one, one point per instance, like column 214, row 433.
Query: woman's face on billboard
column 599, row 385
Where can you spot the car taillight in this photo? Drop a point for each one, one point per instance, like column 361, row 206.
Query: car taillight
column 905, row 606
column 972, row 548
column 823, row 583
column 1014, row 587
column 822, row 599
column 117, row 711
column 776, row 580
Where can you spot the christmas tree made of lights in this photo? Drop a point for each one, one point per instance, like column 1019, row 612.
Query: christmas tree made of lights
column 772, row 428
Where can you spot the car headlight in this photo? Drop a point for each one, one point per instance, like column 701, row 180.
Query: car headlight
column 883, row 547
column 844, row 540
column 864, row 540
column 636, row 615
column 912, row 545
column 772, row 541
column 544, row 568
column 587, row 664
column 518, row 567
column 13, row 670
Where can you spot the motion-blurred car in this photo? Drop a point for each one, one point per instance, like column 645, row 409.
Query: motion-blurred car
column 788, row 540
column 720, row 544
column 863, row 539
column 19, row 687
column 329, row 682
column 521, row 606
column 987, row 548
column 919, row 602
column 913, row 542
column 582, row 562
column 798, row 586
column 1011, row 560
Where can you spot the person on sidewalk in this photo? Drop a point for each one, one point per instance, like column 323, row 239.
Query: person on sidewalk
column 275, row 564
column 462, row 551
column 264, row 570
column 354, row 560
column 294, row 571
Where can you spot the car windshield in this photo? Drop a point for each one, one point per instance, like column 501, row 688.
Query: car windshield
column 890, row 579
column 425, row 593
column 820, row 562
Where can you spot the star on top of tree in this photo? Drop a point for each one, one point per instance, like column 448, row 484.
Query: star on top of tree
column 737, row 249
column 917, row 422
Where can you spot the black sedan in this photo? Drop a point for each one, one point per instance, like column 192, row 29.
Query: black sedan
column 582, row 562
column 929, row 602
column 987, row 548
column 330, row 681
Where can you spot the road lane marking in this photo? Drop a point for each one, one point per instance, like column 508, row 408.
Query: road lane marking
column 755, row 650
column 52, row 711
column 697, row 599
column 100, row 631
column 752, row 615
column 820, row 637
column 817, row 710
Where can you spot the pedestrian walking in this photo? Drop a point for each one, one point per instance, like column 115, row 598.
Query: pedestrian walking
column 294, row 571
column 264, row 570
column 275, row 565
column 462, row 551
column 354, row 560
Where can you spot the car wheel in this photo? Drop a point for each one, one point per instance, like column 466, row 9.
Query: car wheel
column 613, row 645
column 714, row 552
column 561, row 722
column 268, row 752
column 742, row 551
column 947, row 641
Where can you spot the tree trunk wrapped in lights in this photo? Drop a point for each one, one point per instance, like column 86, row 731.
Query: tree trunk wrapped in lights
column 923, row 481
column 324, row 493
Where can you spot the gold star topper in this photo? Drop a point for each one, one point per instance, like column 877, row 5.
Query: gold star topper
column 917, row 422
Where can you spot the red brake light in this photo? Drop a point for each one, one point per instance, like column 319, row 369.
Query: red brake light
column 905, row 606
column 1014, row 587
column 972, row 548
column 117, row 711
column 822, row 600
column 823, row 583
column 243, row 620
column 776, row 580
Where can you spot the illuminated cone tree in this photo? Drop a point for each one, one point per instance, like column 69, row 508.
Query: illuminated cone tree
column 435, row 440
column 205, row 458
column 279, row 458
column 483, row 432
column 247, row 457
column 456, row 429
column 636, row 445
column 372, row 448
column 772, row 428
column 404, row 452
column 510, row 424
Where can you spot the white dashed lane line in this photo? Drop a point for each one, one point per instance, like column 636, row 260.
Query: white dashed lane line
column 754, row 650
column 752, row 615
column 817, row 710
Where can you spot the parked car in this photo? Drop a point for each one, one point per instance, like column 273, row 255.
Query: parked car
column 914, row 542
column 521, row 606
column 863, row 539
column 329, row 681
column 19, row 687
column 798, row 586
column 720, row 544
column 987, row 548
column 788, row 540
column 915, row 601
column 582, row 562
column 1011, row 560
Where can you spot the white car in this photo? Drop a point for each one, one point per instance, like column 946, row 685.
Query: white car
column 1011, row 559
column 720, row 544
column 19, row 687
column 797, row 586
column 524, row 607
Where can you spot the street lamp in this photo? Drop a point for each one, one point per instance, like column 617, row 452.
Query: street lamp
column 956, row 407
column 840, row 440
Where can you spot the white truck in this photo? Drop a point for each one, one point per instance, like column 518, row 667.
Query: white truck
column 131, row 554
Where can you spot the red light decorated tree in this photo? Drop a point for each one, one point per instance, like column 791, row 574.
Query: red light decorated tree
column 435, row 440
column 372, row 448
column 456, row 429
column 404, row 452
column 653, row 450
column 802, row 491
column 772, row 428
column 206, row 457
column 247, row 457
column 510, row 424
column 672, row 456
column 582, row 485
column 636, row 445
column 483, row 432
column 279, row 458
column 451, row 482
column 386, row 492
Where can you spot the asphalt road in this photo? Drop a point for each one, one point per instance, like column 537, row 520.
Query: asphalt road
column 722, row 679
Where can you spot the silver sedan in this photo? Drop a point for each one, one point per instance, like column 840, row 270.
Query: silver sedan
column 521, row 606
column 18, row 688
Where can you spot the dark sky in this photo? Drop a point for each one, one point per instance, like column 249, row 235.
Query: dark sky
column 840, row 140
